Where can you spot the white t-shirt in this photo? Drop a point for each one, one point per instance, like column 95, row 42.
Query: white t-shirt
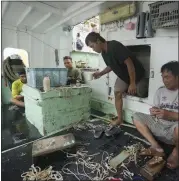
column 166, row 99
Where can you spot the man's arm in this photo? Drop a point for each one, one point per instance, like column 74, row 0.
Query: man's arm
column 78, row 75
column 19, row 97
column 17, row 102
column 14, row 90
column 172, row 116
column 105, row 71
column 132, row 89
column 131, row 70
column 98, row 74
column 166, row 115
column 16, row 97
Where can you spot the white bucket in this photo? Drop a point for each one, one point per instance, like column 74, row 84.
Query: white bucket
column 88, row 76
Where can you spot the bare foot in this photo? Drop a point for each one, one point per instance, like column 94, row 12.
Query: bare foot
column 152, row 151
column 116, row 122
column 157, row 147
column 172, row 161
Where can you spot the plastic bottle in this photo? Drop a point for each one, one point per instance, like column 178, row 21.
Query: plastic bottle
column 46, row 84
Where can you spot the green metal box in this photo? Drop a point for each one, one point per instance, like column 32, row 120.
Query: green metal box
column 51, row 111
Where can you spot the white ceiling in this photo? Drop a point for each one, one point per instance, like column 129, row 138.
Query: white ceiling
column 44, row 16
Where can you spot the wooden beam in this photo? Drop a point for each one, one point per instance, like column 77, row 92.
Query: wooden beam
column 44, row 18
column 44, row 7
column 24, row 15
column 65, row 19
column 4, row 7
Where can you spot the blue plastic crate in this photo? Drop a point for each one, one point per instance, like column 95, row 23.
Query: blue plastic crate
column 35, row 76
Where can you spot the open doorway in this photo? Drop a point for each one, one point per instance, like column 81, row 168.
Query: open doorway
column 13, row 62
column 15, row 128
column 142, row 53
column 13, row 53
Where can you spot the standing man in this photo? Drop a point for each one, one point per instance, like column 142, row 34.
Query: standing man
column 73, row 74
column 122, row 62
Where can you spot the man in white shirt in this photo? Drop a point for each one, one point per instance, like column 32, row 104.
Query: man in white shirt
column 163, row 121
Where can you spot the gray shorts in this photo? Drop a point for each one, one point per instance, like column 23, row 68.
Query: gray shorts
column 120, row 85
column 162, row 129
column 142, row 87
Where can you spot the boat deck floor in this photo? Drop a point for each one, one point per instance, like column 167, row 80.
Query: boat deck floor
column 19, row 160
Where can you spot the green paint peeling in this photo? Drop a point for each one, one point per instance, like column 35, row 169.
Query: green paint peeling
column 49, row 112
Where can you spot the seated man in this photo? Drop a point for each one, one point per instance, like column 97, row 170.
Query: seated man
column 74, row 74
column 18, row 99
column 163, row 121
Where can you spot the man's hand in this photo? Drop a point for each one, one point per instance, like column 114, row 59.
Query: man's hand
column 19, row 97
column 162, row 114
column 132, row 89
column 159, row 113
column 153, row 111
column 97, row 75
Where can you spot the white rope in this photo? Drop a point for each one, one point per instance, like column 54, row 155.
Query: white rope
column 126, row 173
column 96, row 171
column 35, row 173
column 132, row 150
column 100, row 171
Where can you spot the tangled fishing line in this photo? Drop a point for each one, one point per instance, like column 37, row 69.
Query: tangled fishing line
column 90, row 169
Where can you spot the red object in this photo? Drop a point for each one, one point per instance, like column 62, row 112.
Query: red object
column 130, row 26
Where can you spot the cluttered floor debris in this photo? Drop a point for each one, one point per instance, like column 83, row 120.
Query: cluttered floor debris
column 112, row 157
